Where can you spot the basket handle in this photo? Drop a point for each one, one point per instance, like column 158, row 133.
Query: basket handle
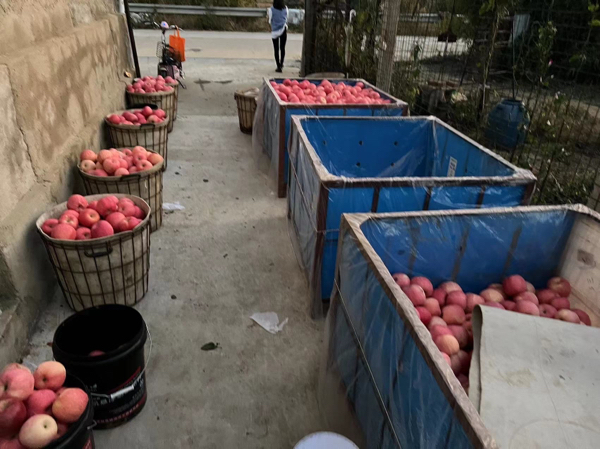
column 94, row 254
column 132, row 175
column 147, row 125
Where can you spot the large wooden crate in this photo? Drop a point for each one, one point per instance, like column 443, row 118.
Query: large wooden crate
column 384, row 164
column 399, row 389
column 274, row 119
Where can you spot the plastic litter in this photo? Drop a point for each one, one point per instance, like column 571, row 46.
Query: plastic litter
column 269, row 321
column 173, row 206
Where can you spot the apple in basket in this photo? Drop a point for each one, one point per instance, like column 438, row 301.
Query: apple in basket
column 119, row 162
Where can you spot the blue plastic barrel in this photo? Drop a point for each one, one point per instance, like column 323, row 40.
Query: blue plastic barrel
column 507, row 124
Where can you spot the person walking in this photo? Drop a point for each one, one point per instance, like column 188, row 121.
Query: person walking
column 278, row 16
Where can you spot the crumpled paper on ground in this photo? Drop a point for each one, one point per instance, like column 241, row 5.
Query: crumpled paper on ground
column 269, row 321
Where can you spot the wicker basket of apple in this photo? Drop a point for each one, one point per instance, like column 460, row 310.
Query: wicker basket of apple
column 99, row 247
column 447, row 310
column 134, row 171
column 145, row 127
column 151, row 90
column 44, row 409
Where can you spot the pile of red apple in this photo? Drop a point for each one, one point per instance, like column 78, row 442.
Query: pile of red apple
column 36, row 409
column 446, row 310
column 305, row 92
column 101, row 218
column 150, row 84
column 138, row 117
column 115, row 162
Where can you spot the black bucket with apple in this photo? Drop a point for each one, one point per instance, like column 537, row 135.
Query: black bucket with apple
column 79, row 434
column 104, row 347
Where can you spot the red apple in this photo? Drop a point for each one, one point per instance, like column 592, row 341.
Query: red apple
column 121, row 172
column 560, row 286
column 424, row 315
column 88, row 218
column 127, row 209
column 433, row 306
column 98, row 172
column 513, row 285
column 49, row 225
column 160, row 113
column 11, row 443
column 70, row 220
column 424, row 283
column 546, row 296
column 547, row 311
column 440, row 295
column 436, row 321
column 107, row 206
column 457, row 298
column 17, row 383
column 143, row 165
column 509, row 305
column 530, row 287
column 102, row 229
column 492, row 295
column 13, row 414
column 50, row 375
column 495, row 305
column 83, row 234
column 87, row 166
column 450, row 287
column 561, row 303
column 12, row 366
column 70, row 405
column 583, row 317
column 472, row 301
column 114, row 119
column 436, row 331
column 146, row 111
column 527, row 307
column 415, row 294
column 139, row 213
column 38, row 431
column 460, row 333
column 93, row 205
column 111, row 165
column 77, row 202
column 63, row 231
column 155, row 158
column 453, row 314
column 447, row 344
column 88, row 155
column 567, row 315
column 103, row 155
column 115, row 218
column 527, row 296
column 40, row 402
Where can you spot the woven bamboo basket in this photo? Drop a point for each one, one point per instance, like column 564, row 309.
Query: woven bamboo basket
column 108, row 270
column 147, row 184
column 246, row 106
column 151, row 136
column 166, row 101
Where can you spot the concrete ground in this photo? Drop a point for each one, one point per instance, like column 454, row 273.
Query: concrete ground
column 224, row 257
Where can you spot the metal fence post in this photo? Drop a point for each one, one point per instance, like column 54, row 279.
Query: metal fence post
column 308, row 43
column 389, row 29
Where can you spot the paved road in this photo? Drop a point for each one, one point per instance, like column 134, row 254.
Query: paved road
column 222, row 45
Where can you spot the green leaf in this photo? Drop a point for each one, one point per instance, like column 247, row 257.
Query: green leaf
column 210, row 346
column 595, row 23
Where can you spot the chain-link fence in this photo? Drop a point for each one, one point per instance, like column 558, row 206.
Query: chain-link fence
column 522, row 77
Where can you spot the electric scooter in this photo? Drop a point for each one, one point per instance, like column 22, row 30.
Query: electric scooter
column 169, row 61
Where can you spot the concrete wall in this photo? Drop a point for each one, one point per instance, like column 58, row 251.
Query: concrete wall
column 61, row 71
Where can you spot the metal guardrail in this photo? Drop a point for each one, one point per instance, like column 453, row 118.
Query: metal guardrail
column 146, row 8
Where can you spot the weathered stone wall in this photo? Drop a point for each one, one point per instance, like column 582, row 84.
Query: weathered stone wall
column 61, row 72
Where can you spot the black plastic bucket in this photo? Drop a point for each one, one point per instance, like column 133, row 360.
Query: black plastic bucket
column 80, row 434
column 116, row 379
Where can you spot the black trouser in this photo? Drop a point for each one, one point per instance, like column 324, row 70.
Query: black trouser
column 279, row 43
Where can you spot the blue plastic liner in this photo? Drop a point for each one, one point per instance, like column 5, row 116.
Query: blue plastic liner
column 343, row 165
column 401, row 392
